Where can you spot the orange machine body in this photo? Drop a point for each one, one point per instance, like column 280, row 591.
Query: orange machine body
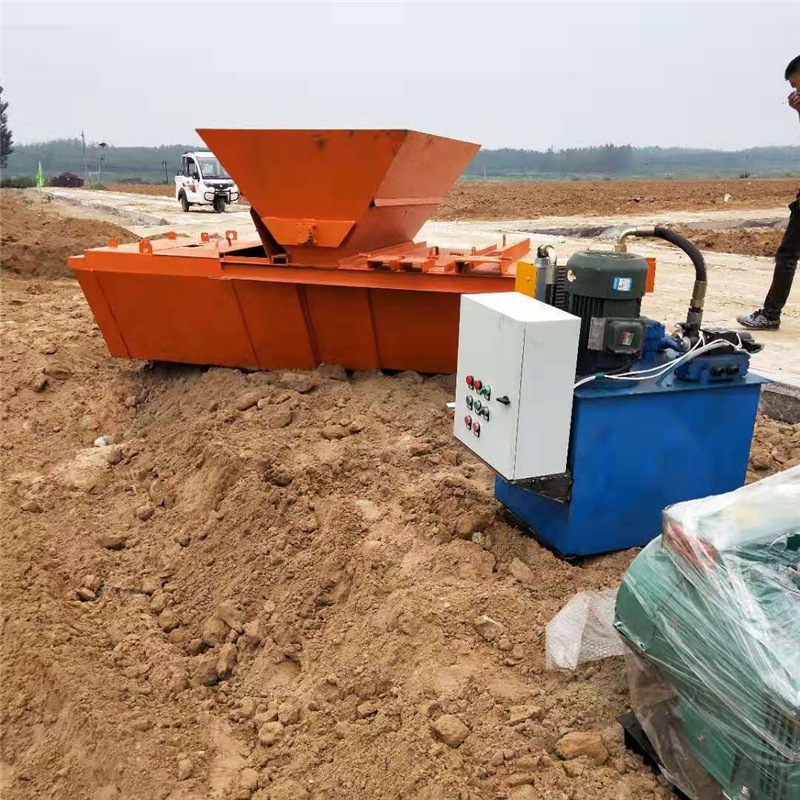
column 334, row 275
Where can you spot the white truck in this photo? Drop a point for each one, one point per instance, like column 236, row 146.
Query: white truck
column 202, row 181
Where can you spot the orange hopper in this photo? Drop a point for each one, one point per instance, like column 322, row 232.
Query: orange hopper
column 334, row 275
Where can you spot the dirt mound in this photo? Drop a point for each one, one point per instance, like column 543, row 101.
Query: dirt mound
column 276, row 586
column 776, row 446
column 532, row 199
column 746, row 241
column 36, row 240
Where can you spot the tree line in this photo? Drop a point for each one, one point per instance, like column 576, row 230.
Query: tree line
column 627, row 161
column 6, row 136
column 614, row 161
column 67, row 155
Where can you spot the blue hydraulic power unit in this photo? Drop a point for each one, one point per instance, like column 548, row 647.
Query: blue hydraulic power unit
column 635, row 449
column 656, row 419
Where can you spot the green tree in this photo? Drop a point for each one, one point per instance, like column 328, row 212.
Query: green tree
column 6, row 139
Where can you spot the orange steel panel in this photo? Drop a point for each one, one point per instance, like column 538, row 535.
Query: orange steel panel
column 203, row 304
column 103, row 315
column 407, row 201
column 335, row 175
column 525, row 281
column 342, row 326
column 651, row 275
column 425, row 166
column 420, row 334
column 188, row 262
column 170, row 318
column 413, row 282
column 277, row 317
column 276, row 323
column 321, row 233
column 306, row 174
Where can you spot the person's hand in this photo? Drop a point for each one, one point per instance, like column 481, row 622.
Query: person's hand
column 794, row 100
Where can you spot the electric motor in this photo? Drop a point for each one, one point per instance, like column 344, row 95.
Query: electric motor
column 605, row 290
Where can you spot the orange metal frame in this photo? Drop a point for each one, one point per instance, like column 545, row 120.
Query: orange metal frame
column 334, row 276
column 202, row 302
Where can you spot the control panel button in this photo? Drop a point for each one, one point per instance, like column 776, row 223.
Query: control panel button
column 476, row 428
column 470, row 381
column 477, row 385
column 477, row 405
column 485, row 413
column 468, row 421
column 469, row 401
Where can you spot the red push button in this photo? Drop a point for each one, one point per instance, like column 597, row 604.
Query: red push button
column 476, row 428
column 470, row 381
column 477, row 385
column 468, row 421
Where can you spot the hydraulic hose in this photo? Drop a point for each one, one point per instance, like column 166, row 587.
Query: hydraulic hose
column 663, row 232
column 695, row 315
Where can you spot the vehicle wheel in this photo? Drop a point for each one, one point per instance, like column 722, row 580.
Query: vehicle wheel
column 219, row 204
column 184, row 202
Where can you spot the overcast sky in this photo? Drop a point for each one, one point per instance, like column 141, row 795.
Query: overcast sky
column 503, row 74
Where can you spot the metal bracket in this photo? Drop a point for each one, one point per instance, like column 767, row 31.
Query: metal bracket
column 555, row 487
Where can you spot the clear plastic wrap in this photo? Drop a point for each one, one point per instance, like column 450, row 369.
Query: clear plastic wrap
column 710, row 614
column 583, row 631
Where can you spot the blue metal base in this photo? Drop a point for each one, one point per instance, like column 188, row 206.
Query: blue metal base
column 635, row 449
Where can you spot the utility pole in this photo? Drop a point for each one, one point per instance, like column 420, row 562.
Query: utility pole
column 102, row 147
column 166, row 174
column 85, row 162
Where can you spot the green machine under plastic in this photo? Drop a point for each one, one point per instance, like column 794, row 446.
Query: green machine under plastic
column 710, row 614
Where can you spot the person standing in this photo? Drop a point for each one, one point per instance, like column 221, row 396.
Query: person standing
column 768, row 318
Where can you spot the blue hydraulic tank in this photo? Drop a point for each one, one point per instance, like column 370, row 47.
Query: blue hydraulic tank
column 636, row 448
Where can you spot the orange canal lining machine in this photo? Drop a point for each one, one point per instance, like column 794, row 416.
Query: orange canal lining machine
column 334, row 275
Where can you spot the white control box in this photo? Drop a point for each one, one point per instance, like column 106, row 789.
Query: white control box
column 516, row 377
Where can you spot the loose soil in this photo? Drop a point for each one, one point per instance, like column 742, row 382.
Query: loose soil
column 746, row 241
column 36, row 240
column 274, row 585
column 529, row 200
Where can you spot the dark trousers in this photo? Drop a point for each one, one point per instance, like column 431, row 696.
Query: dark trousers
column 785, row 264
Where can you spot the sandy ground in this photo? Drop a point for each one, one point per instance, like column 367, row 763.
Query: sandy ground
column 274, row 586
column 502, row 200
